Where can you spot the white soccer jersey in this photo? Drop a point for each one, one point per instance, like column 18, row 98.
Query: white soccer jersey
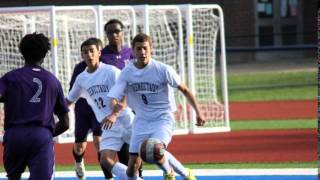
column 149, row 90
column 94, row 87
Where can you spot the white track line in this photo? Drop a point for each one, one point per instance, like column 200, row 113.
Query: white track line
column 204, row 172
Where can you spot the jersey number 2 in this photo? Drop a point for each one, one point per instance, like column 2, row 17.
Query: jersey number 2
column 35, row 98
column 99, row 103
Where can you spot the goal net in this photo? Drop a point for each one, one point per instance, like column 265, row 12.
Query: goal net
column 73, row 26
column 190, row 38
column 126, row 15
column 206, row 65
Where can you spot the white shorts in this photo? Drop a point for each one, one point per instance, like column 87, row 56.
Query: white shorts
column 114, row 138
column 161, row 129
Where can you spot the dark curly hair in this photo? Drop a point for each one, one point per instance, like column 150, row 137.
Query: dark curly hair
column 34, row 47
column 112, row 21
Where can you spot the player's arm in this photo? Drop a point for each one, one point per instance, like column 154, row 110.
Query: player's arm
column 62, row 125
column 174, row 80
column 61, row 110
column 117, row 103
column 116, row 107
column 74, row 93
column 192, row 100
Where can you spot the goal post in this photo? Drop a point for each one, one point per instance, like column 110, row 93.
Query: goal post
column 204, row 25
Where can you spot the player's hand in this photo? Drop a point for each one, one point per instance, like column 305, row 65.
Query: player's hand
column 108, row 121
column 200, row 120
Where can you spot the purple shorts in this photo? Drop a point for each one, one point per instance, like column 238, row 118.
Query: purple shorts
column 85, row 121
column 30, row 146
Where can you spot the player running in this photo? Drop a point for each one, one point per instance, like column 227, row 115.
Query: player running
column 149, row 85
column 93, row 84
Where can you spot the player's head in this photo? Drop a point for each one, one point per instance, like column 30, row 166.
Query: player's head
column 142, row 48
column 34, row 47
column 90, row 51
column 114, row 31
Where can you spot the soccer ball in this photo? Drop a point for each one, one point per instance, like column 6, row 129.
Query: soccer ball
column 151, row 150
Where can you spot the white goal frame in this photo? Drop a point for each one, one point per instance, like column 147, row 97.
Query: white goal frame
column 64, row 53
column 189, row 9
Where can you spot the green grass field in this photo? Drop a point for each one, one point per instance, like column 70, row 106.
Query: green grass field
column 273, row 86
column 274, row 124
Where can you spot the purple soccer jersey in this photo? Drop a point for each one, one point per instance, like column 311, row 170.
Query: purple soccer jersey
column 31, row 95
column 118, row 60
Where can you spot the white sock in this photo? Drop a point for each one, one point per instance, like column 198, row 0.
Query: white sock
column 176, row 165
column 165, row 167
column 119, row 170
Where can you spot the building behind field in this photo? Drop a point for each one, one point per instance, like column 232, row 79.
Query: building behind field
column 256, row 30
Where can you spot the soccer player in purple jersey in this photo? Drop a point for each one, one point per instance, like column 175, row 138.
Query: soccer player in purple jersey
column 118, row 55
column 115, row 53
column 31, row 95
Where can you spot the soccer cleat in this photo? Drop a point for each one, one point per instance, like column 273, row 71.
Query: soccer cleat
column 190, row 175
column 170, row 176
column 80, row 170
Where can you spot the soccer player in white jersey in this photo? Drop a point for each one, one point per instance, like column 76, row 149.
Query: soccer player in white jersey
column 148, row 85
column 93, row 84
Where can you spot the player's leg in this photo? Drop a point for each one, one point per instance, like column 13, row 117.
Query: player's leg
column 96, row 132
column 123, row 156
column 125, row 149
column 111, row 142
column 41, row 160
column 108, row 160
column 83, row 113
column 78, row 152
column 186, row 173
column 164, row 133
column 15, row 151
column 139, row 134
column 133, row 166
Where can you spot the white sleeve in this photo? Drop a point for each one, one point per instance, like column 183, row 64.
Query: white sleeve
column 172, row 77
column 75, row 92
column 118, row 90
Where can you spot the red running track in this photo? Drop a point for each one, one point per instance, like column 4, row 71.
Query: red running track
column 238, row 146
column 230, row 147
column 247, row 146
column 303, row 109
